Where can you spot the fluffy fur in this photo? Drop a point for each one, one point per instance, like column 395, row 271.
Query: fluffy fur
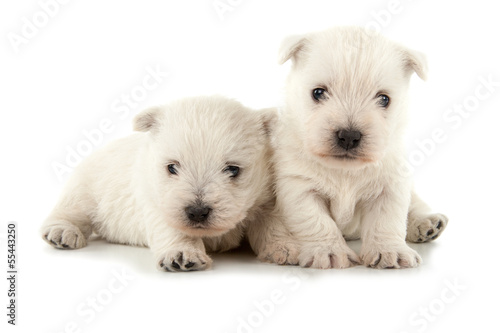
column 138, row 190
column 327, row 193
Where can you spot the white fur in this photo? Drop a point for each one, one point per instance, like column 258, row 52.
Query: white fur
column 325, row 199
column 125, row 193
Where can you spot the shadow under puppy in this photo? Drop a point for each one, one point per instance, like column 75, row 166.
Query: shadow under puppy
column 340, row 157
column 195, row 178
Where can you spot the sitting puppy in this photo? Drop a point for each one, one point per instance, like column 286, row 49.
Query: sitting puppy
column 196, row 177
column 340, row 157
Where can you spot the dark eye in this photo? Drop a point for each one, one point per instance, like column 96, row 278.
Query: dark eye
column 232, row 170
column 383, row 100
column 318, row 94
column 171, row 169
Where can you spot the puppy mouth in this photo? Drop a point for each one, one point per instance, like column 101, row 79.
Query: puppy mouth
column 204, row 229
column 346, row 159
column 346, row 156
column 353, row 159
column 199, row 226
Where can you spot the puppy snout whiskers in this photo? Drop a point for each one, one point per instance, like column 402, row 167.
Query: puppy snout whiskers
column 198, row 213
column 348, row 139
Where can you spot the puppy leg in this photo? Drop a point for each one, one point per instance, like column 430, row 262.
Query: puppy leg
column 271, row 241
column 383, row 231
column 306, row 214
column 423, row 226
column 177, row 252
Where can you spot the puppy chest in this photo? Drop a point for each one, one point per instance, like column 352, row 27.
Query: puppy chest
column 342, row 207
column 347, row 197
column 348, row 201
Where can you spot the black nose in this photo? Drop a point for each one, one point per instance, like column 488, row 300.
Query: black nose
column 348, row 139
column 197, row 213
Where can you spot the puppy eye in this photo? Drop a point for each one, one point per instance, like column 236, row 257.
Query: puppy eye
column 232, row 170
column 172, row 169
column 318, row 94
column 383, row 100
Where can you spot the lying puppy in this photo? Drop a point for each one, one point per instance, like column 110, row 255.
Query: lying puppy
column 197, row 177
column 340, row 157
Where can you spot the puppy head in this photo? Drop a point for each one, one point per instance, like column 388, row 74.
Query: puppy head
column 347, row 92
column 207, row 160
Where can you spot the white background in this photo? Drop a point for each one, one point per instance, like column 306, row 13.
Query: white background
column 72, row 73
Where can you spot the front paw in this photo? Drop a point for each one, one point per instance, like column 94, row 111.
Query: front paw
column 184, row 261
column 396, row 256
column 327, row 256
column 280, row 253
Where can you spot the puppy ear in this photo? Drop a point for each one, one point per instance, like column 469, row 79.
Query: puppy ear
column 147, row 119
column 417, row 62
column 290, row 46
column 269, row 119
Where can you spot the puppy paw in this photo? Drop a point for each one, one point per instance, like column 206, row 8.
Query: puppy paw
column 426, row 228
column 327, row 256
column 280, row 253
column 64, row 237
column 184, row 261
column 399, row 256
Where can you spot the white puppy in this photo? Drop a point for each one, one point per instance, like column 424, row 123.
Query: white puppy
column 196, row 177
column 340, row 157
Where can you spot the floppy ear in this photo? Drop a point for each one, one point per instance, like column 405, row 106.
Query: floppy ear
column 147, row 119
column 290, row 46
column 269, row 119
column 417, row 62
